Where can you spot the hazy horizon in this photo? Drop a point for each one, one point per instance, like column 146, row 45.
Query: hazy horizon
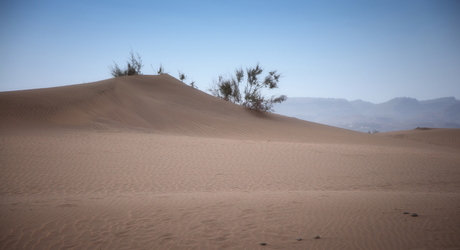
column 351, row 100
column 372, row 51
column 397, row 114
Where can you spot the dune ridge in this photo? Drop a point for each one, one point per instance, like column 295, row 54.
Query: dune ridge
column 147, row 162
column 160, row 104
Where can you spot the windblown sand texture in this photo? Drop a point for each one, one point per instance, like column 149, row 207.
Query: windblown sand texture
column 147, row 162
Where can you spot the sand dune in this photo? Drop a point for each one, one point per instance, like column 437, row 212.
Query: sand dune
column 147, row 162
column 160, row 104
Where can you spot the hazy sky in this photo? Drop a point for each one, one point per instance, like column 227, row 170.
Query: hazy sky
column 369, row 50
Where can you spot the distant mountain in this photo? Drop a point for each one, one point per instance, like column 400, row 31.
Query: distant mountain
column 400, row 113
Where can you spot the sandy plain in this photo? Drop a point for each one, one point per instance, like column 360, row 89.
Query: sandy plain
column 147, row 162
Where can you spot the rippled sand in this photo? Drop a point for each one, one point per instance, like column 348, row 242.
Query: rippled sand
column 146, row 162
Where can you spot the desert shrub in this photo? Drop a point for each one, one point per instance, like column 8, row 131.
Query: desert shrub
column 134, row 66
column 193, row 85
column 251, row 96
column 183, row 77
column 160, row 70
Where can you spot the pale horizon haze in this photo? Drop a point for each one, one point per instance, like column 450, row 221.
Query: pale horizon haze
column 369, row 50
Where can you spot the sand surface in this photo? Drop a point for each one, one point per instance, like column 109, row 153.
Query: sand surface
column 147, row 162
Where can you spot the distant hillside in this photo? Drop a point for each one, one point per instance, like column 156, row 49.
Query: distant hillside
column 397, row 114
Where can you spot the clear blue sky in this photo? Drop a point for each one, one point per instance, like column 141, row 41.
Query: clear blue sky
column 369, row 50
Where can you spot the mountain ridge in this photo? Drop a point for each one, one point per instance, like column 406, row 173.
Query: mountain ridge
column 400, row 113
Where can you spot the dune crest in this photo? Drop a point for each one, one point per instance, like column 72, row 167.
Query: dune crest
column 160, row 104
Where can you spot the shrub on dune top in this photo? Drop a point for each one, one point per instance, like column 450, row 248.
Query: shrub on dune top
column 251, row 95
column 134, row 65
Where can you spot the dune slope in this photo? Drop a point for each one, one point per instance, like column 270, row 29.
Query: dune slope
column 160, row 104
